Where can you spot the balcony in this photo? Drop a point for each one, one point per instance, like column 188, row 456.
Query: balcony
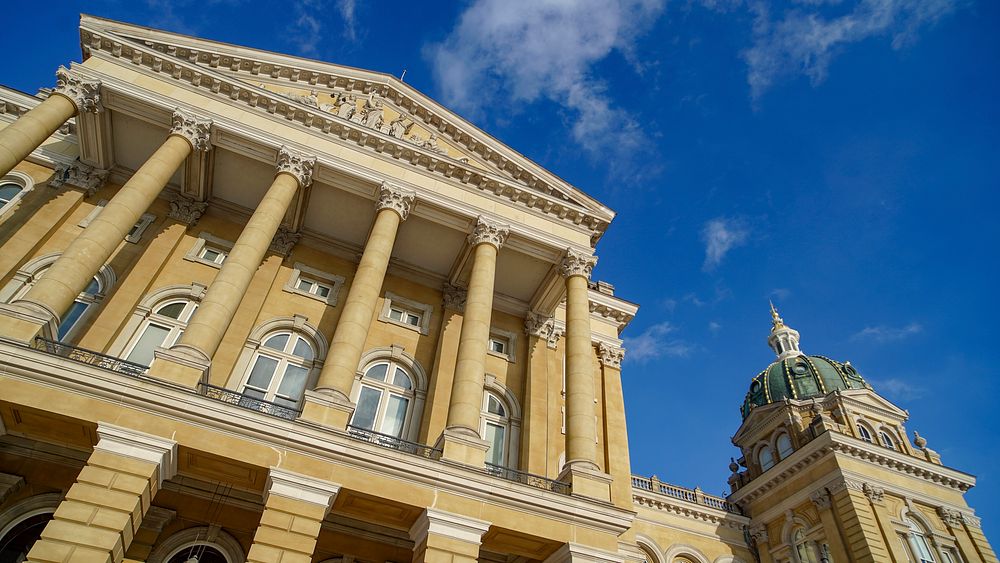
column 695, row 496
column 84, row 356
column 247, row 402
column 392, row 442
column 529, row 479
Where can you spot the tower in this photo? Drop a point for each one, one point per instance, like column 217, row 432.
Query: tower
column 827, row 473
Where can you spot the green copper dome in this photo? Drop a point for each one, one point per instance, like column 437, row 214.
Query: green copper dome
column 796, row 375
column 800, row 377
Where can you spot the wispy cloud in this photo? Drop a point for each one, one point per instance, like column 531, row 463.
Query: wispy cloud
column 804, row 38
column 779, row 293
column 897, row 389
column 306, row 31
column 655, row 342
column 721, row 235
column 714, row 327
column 514, row 52
column 347, row 13
column 883, row 333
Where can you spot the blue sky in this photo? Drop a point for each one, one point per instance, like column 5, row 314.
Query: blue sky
column 836, row 156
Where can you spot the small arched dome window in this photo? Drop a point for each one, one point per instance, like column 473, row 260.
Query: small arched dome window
column 13, row 187
column 864, row 433
column 803, row 550
column 495, row 429
column 279, row 369
column 766, row 458
column 384, row 399
column 784, row 444
column 918, row 542
column 198, row 553
column 161, row 329
column 887, row 440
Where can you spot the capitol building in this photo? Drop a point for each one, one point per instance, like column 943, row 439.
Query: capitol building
column 260, row 308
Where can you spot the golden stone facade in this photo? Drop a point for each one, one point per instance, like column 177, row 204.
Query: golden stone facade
column 259, row 308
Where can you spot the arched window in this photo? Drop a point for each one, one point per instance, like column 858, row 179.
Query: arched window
column 765, row 458
column 82, row 306
column 918, row 542
column 13, row 187
column 864, row 433
column 198, row 553
column 495, row 428
column 384, row 399
column 280, row 369
column 192, row 545
column 161, row 329
column 784, row 444
column 22, row 523
column 887, row 440
column 803, row 550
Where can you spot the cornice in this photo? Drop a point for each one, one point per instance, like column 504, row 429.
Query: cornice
column 303, row 73
column 688, row 510
column 612, row 308
column 173, row 67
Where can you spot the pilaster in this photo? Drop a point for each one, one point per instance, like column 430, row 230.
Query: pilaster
column 616, row 454
column 831, row 528
column 294, row 508
column 576, row 553
column 444, row 537
column 535, row 441
column 439, row 389
column 861, row 529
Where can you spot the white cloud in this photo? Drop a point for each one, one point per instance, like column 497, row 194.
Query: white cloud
column 655, row 342
column 347, row 13
column 897, row 389
column 714, row 327
column 806, row 37
column 780, row 293
column 884, row 333
column 516, row 52
column 721, row 235
column 306, row 30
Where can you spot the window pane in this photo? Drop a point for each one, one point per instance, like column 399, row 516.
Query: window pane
column 364, row 415
column 303, row 284
column 263, row 371
column 377, row 372
column 293, row 383
column 277, row 342
column 93, row 288
column 495, row 436
column 8, row 191
column 302, row 349
column 73, row 315
column 400, row 379
column 493, row 406
column 395, row 415
column 172, row 311
column 395, row 314
column 210, row 255
column 784, row 446
column 412, row 319
column 322, row 291
column 152, row 337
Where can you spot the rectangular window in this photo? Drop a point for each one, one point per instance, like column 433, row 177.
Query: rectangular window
column 495, row 437
column 209, row 250
column 404, row 316
column 135, row 233
column 364, row 414
column 406, row 313
column 498, row 345
column 313, row 287
column 214, row 255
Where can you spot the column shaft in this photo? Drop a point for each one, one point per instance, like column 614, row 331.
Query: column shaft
column 74, row 269
column 18, row 139
column 209, row 323
column 581, row 428
column 470, row 369
column 834, row 538
column 444, row 537
column 359, row 307
column 294, row 508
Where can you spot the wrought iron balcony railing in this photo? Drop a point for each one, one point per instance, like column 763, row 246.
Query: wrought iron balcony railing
column 392, row 442
column 529, row 479
column 691, row 495
column 247, row 402
column 90, row 357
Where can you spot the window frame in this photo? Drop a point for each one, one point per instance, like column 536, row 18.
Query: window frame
column 865, row 432
column 887, row 440
column 20, row 179
column 285, row 358
column 760, row 451
column 175, row 327
column 387, row 390
column 422, row 310
column 487, row 418
column 508, row 339
column 777, row 445
column 207, row 241
column 303, row 272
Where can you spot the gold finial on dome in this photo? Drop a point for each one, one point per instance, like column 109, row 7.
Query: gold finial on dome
column 775, row 319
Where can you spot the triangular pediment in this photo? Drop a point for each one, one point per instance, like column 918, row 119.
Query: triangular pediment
column 370, row 103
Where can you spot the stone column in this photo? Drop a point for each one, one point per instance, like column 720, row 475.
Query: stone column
column 330, row 405
column 294, row 508
column 759, row 533
column 187, row 362
column 824, row 505
column 439, row 394
column 576, row 553
column 581, row 468
column 54, row 293
column 104, row 509
column 953, row 521
column 460, row 440
column 616, row 458
column 539, row 399
column 440, row 536
column 72, row 94
column 876, row 496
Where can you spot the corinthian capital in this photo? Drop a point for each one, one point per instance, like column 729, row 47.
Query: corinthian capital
column 454, row 297
column 544, row 327
column 950, row 516
column 85, row 94
column 611, row 356
column 298, row 164
column 185, row 209
column 875, row 494
column 489, row 232
column 396, row 199
column 821, row 499
column 578, row 264
column 197, row 130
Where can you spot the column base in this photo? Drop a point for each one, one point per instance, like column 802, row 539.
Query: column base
column 327, row 408
column 576, row 553
column 463, row 446
column 181, row 366
column 587, row 481
column 22, row 321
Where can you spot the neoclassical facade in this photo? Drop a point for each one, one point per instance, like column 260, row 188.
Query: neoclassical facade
column 260, row 308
